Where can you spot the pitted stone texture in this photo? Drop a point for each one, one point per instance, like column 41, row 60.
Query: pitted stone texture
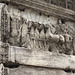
column 40, row 58
column 60, row 35
column 29, row 70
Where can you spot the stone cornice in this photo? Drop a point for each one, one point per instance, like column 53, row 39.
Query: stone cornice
column 40, row 58
column 13, row 55
column 46, row 8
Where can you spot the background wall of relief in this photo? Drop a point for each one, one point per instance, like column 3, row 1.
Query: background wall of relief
column 31, row 29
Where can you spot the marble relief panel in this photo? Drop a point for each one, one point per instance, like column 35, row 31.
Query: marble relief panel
column 37, row 31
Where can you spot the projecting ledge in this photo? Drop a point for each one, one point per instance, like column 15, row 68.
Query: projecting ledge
column 43, row 7
column 41, row 58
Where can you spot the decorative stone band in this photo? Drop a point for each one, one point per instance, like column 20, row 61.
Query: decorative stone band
column 3, row 70
column 29, row 70
column 13, row 55
column 3, row 22
column 48, row 9
column 40, row 58
column 3, row 52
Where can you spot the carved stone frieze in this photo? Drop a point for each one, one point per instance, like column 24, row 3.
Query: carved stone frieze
column 34, row 35
column 30, row 37
column 51, row 34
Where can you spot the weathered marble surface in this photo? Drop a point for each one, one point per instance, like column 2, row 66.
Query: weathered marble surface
column 2, row 70
column 37, row 39
column 44, row 7
column 40, row 58
column 30, row 70
column 4, row 23
column 35, row 30
column 28, row 25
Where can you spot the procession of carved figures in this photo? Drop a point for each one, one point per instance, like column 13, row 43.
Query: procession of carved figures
column 36, row 36
column 20, row 32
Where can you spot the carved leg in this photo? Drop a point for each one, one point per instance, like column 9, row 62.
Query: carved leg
column 46, row 45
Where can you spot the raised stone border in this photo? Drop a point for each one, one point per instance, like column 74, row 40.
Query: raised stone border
column 41, row 58
column 46, row 8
